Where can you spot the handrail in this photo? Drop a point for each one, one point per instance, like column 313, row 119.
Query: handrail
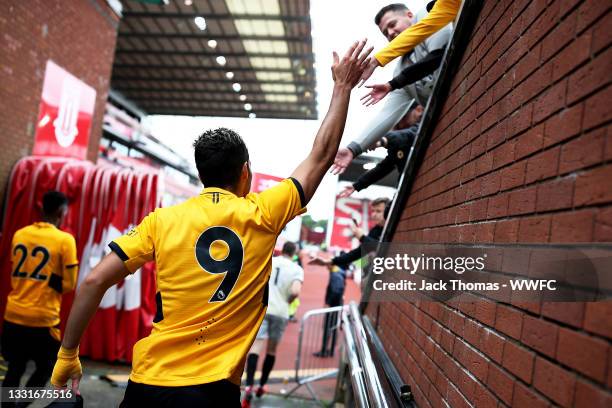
column 355, row 369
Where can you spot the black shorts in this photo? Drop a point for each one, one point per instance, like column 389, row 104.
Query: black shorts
column 211, row 395
column 24, row 343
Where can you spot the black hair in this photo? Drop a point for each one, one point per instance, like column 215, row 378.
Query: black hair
column 219, row 157
column 52, row 201
column 289, row 248
column 386, row 9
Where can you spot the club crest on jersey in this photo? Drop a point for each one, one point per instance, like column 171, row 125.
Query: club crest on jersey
column 221, row 295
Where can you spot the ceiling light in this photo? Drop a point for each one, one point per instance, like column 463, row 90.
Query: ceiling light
column 252, row 115
column 272, row 88
column 307, row 94
column 212, row 43
column 281, row 98
column 236, row 87
column 200, row 22
column 188, row 2
column 269, row 62
column 229, row 75
column 221, row 60
column 248, row 106
column 268, row 7
column 243, row 98
column 274, row 76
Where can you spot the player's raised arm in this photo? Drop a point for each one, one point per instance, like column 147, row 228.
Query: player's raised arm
column 346, row 73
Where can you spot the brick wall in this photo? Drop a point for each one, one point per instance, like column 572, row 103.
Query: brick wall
column 79, row 35
column 522, row 152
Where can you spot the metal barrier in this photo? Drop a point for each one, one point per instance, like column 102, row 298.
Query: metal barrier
column 367, row 389
column 319, row 333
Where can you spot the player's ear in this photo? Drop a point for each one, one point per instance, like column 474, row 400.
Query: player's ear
column 246, row 177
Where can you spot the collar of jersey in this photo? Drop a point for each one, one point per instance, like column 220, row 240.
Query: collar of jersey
column 216, row 190
column 43, row 224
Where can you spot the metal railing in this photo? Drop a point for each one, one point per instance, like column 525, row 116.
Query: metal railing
column 317, row 341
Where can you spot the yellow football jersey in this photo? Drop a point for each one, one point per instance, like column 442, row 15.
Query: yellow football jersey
column 214, row 255
column 45, row 265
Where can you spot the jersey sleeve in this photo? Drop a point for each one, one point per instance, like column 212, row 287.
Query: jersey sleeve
column 70, row 264
column 281, row 203
column 442, row 13
column 137, row 246
column 298, row 274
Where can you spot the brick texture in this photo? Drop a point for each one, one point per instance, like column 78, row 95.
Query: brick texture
column 77, row 35
column 521, row 152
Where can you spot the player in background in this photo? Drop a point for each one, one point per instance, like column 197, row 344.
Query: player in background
column 214, row 257
column 284, row 287
column 45, row 266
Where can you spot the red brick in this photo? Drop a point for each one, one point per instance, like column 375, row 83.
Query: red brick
column 506, row 231
column 593, row 186
column 555, row 195
column 571, row 313
column 491, row 183
column 519, row 361
column 534, row 229
column 540, row 335
column 542, row 165
column 601, row 34
column 455, row 399
column 514, row 175
column 583, row 353
column 478, row 210
column 563, row 125
column 588, row 12
column 525, row 397
column 484, row 164
column 550, row 101
column 520, row 120
column 583, row 152
column 492, row 345
column 608, row 151
column 603, row 225
column 522, row 201
column 588, row 395
column 500, row 383
column 577, row 52
column 485, row 232
column 483, row 398
column 554, row 382
column 527, row 64
column 503, row 154
column 597, row 318
column 484, row 312
column 572, row 227
column 529, row 142
column 598, row 109
column 509, row 321
column 498, row 206
column 558, row 38
column 590, row 77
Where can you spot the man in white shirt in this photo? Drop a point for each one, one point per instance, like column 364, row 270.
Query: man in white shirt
column 284, row 286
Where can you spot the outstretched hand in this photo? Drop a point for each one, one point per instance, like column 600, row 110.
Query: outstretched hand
column 377, row 93
column 371, row 64
column 317, row 260
column 349, row 69
column 348, row 190
column 343, row 158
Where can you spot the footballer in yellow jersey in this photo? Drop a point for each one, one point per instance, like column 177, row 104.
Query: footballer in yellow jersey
column 44, row 267
column 213, row 255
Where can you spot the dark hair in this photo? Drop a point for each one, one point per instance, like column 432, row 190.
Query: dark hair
column 52, row 201
column 219, row 157
column 386, row 9
column 381, row 200
column 289, row 248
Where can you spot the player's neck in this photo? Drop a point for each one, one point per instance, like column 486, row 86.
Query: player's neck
column 51, row 220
